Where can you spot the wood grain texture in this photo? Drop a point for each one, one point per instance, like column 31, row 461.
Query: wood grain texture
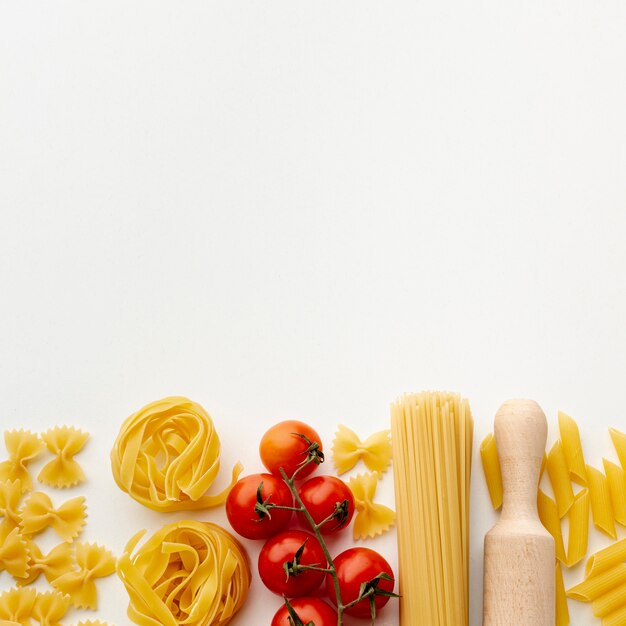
column 519, row 584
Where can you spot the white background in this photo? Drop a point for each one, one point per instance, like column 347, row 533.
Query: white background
column 305, row 209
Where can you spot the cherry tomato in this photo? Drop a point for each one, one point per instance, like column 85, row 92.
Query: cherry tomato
column 320, row 494
column 308, row 610
column 281, row 446
column 354, row 567
column 242, row 500
column 282, row 548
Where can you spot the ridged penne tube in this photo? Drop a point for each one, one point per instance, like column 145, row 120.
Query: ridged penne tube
column 610, row 601
column 616, row 478
column 619, row 442
column 560, row 479
column 578, row 537
column 592, row 588
column 572, row 448
column 606, row 558
column 616, row 618
column 549, row 516
column 601, row 507
column 491, row 468
column 562, row 610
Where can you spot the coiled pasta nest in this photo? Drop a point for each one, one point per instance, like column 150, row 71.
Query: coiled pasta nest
column 189, row 572
column 167, row 455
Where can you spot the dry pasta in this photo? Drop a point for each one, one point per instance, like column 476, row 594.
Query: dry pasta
column 13, row 552
column 371, row 519
column 559, row 479
column 609, row 602
column 63, row 471
column 93, row 561
column 22, row 446
column 601, row 507
column 616, row 618
column 50, row 608
column 578, row 538
column 549, row 516
column 39, row 513
column 191, row 573
column 90, row 622
column 16, row 605
column 561, row 609
column 606, row 558
column 619, row 442
column 348, row 450
column 572, row 449
column 52, row 565
column 491, row 469
column 432, row 448
column 616, row 479
column 595, row 586
column 10, row 496
column 167, row 455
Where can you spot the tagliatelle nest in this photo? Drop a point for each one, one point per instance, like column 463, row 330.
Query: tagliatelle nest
column 189, row 572
column 167, row 455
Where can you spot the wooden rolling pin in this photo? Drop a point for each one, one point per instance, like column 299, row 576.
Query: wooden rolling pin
column 519, row 551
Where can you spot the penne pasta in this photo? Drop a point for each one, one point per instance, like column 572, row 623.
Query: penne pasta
column 572, row 448
column 549, row 516
column 595, row 586
column 561, row 609
column 610, row 601
column 606, row 558
column 578, row 529
column 601, row 507
column 619, row 441
column 491, row 469
column 616, row 478
column 616, row 618
column 559, row 479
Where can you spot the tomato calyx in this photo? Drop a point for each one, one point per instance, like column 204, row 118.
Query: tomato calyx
column 370, row 589
column 294, row 568
column 313, row 452
column 341, row 513
column 294, row 619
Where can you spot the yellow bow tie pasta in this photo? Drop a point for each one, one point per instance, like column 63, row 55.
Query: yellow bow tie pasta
column 348, row 450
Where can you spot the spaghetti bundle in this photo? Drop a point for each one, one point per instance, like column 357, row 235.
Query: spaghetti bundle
column 432, row 446
column 167, row 455
column 191, row 573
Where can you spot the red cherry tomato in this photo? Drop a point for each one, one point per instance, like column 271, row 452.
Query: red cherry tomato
column 308, row 610
column 282, row 548
column 282, row 447
column 354, row 567
column 320, row 495
column 243, row 498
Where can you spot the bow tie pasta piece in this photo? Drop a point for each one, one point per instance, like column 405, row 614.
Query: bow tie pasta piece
column 348, row 450
column 22, row 446
column 39, row 513
column 52, row 565
column 16, row 605
column 50, row 608
column 93, row 562
column 4, row 622
column 191, row 573
column 63, row 471
column 371, row 519
column 10, row 496
column 14, row 553
column 167, row 455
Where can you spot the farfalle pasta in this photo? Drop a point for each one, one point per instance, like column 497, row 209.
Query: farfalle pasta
column 371, row 519
column 189, row 572
column 52, row 565
column 14, row 553
column 39, row 513
column 16, row 605
column 167, row 455
column 50, row 608
column 63, row 471
column 10, row 497
column 93, row 561
column 22, row 446
column 348, row 450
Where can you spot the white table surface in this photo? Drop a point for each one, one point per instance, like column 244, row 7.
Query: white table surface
column 303, row 210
